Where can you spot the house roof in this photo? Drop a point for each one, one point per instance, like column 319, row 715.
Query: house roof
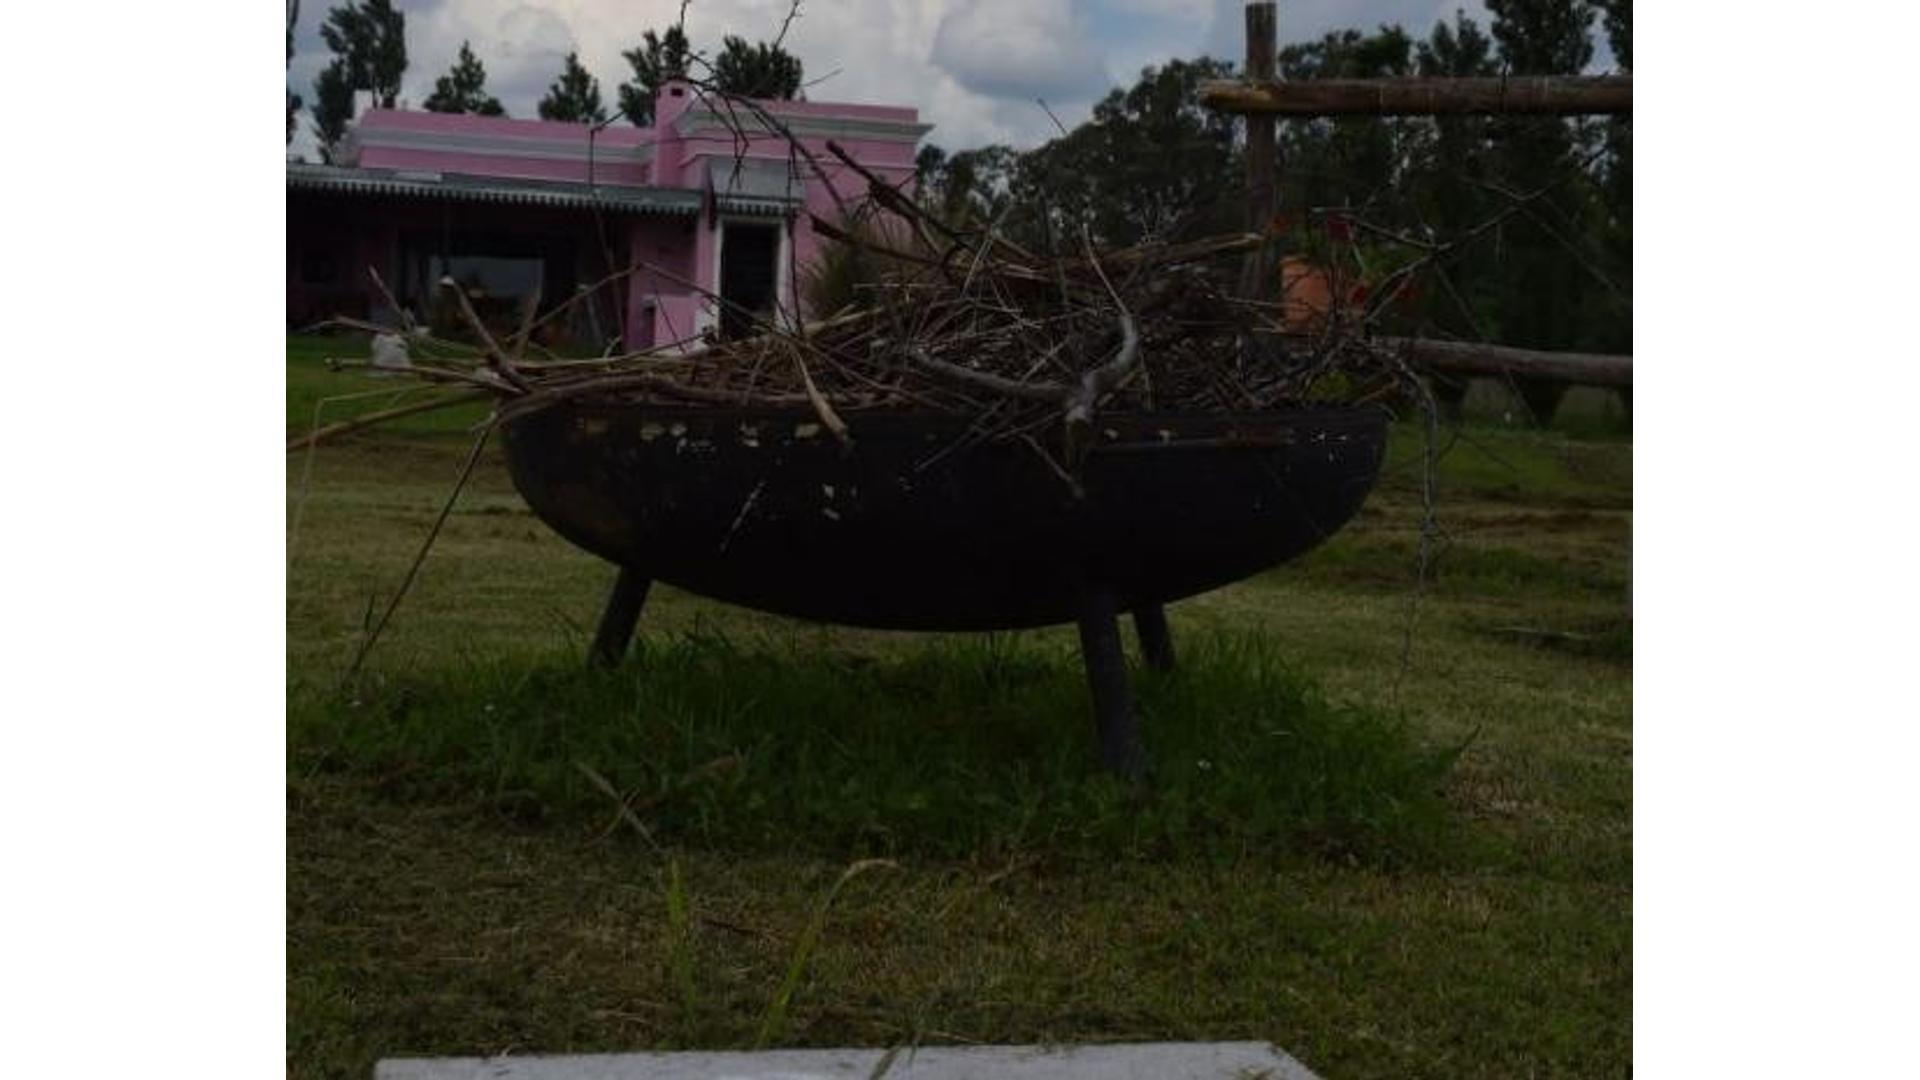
column 563, row 194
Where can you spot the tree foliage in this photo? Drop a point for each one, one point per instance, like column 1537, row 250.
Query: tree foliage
column 332, row 107
column 927, row 167
column 660, row 57
column 370, row 39
column 463, row 89
column 1543, row 37
column 971, row 185
column 369, row 44
column 1619, row 24
column 1543, row 289
column 756, row 71
column 1348, row 161
column 1617, row 189
column 574, row 97
column 293, row 100
column 1451, row 174
column 1151, row 162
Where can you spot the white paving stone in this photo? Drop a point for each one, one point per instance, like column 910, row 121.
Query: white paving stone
column 1135, row 1061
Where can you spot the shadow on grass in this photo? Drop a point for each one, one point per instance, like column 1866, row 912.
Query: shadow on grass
column 961, row 746
column 1458, row 570
column 1608, row 639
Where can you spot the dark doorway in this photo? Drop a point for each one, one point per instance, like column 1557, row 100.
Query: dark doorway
column 749, row 270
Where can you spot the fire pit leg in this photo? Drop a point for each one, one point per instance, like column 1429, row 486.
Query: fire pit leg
column 629, row 595
column 1121, row 750
column 1156, row 644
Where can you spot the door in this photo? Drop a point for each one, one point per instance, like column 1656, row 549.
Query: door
column 749, row 276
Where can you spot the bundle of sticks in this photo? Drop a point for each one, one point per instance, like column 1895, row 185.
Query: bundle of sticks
column 960, row 320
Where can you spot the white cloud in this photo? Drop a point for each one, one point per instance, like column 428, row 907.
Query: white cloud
column 523, row 47
column 1169, row 9
column 1020, row 49
column 1309, row 20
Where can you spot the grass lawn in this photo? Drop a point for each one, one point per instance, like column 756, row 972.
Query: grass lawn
column 1392, row 861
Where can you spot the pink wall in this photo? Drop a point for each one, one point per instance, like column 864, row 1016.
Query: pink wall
column 497, row 146
column 660, row 309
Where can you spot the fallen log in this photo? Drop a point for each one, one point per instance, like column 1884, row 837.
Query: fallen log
column 1548, row 95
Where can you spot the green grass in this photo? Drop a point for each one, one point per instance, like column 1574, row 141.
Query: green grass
column 314, row 391
column 1354, row 890
column 946, row 750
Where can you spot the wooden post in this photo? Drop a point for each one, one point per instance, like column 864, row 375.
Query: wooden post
column 1263, row 204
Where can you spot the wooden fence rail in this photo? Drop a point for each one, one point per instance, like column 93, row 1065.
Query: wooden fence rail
column 1548, row 95
column 1504, row 361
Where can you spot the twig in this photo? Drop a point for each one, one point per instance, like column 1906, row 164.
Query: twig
column 413, row 570
column 496, row 357
column 626, row 812
column 320, row 435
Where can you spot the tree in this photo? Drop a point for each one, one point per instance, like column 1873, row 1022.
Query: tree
column 293, row 100
column 1150, row 162
column 658, row 59
column 1617, row 186
column 1453, row 166
column 574, row 97
column 1543, row 37
column 975, row 183
column 1619, row 24
column 1345, row 161
column 927, row 167
column 370, row 37
column 1545, row 296
column 1457, row 152
column 332, row 107
column 463, row 89
column 1447, row 184
column 756, row 71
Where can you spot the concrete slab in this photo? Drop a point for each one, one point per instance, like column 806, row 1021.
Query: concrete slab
column 1131, row 1061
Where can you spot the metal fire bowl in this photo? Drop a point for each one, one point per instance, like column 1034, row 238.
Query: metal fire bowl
column 914, row 527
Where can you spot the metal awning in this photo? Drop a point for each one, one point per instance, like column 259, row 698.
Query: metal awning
column 755, row 205
column 461, row 187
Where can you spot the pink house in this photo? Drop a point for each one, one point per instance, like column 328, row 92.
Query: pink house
column 701, row 202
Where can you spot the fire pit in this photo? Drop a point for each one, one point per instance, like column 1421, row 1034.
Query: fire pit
column 919, row 525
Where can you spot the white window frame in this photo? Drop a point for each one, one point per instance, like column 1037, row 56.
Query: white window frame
column 784, row 314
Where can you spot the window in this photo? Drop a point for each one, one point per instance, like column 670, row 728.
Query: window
column 491, row 277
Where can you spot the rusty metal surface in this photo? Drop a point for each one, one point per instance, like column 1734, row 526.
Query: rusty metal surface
column 910, row 528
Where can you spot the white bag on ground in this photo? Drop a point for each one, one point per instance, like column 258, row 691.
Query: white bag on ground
column 390, row 352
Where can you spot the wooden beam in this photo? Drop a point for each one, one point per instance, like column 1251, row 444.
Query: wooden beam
column 1551, row 95
column 1469, row 358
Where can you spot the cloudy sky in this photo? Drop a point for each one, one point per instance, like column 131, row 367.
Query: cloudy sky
column 972, row 67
